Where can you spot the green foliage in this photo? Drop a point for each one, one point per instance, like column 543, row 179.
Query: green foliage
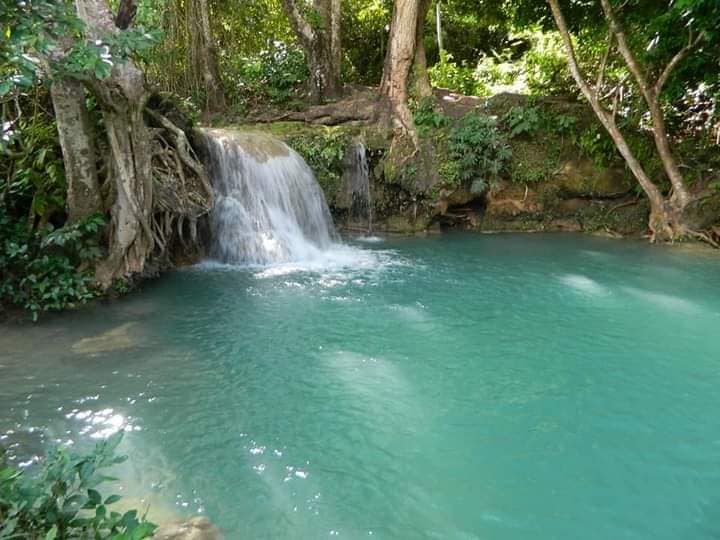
column 532, row 163
column 428, row 116
column 546, row 68
column 62, row 501
column 34, row 183
column 98, row 57
column 478, row 151
column 274, row 74
column 523, row 120
column 457, row 78
column 29, row 30
column 532, row 118
column 324, row 152
column 47, row 270
column 595, row 143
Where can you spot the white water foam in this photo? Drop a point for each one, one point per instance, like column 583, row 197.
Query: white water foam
column 270, row 213
column 583, row 284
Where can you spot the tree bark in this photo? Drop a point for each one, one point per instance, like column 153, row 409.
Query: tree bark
column 126, row 14
column 666, row 221
column 204, row 55
column 402, row 52
column 322, row 46
column 78, row 149
column 122, row 98
column 422, row 79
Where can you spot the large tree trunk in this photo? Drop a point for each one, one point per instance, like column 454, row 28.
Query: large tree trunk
column 322, row 46
column 667, row 214
column 401, row 54
column 122, row 98
column 420, row 72
column 78, row 149
column 204, row 54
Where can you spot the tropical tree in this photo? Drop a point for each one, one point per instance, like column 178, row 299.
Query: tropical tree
column 696, row 19
column 317, row 29
column 405, row 51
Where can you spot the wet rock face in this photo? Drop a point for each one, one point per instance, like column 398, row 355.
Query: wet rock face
column 197, row 528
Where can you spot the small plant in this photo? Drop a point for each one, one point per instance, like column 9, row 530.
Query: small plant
column 274, row 75
column 478, row 150
column 523, row 120
column 596, row 144
column 324, row 152
column 48, row 270
column 62, row 501
column 427, row 116
column 457, row 78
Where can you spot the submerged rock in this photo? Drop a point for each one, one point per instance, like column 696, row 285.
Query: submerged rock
column 118, row 338
column 196, row 528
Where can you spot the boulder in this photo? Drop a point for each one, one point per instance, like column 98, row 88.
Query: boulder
column 196, row 528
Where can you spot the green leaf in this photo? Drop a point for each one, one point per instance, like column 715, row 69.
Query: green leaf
column 112, row 499
column 51, row 534
column 94, row 496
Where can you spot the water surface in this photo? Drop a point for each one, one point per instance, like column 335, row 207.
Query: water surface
column 492, row 387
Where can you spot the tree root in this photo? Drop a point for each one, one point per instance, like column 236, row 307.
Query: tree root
column 182, row 189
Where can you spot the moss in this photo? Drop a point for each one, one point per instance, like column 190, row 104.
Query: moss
column 535, row 161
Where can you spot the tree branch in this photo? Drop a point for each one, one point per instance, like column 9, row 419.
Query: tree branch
column 603, row 63
column 603, row 115
column 672, row 64
column 298, row 23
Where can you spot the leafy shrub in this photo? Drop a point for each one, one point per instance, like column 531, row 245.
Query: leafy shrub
column 478, row 150
column 34, row 181
column 494, row 72
column 62, row 502
column 324, row 152
column 546, row 68
column 273, row 75
column 427, row 116
column 47, row 270
column 596, row 144
column 457, row 78
column 523, row 120
column 532, row 118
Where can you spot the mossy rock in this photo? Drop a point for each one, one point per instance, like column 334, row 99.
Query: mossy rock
column 580, row 177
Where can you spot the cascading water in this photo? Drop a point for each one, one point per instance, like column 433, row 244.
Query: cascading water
column 269, row 208
column 357, row 186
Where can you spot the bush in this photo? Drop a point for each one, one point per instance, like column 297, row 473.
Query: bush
column 532, row 118
column 546, row 67
column 62, row 502
column 427, row 116
column 46, row 269
column 478, row 150
column 324, row 152
column 456, row 78
column 274, row 75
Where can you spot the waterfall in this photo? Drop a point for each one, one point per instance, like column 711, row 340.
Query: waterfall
column 269, row 208
column 357, row 185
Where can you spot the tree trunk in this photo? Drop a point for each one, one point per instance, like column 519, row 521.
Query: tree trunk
column 667, row 220
column 401, row 53
column 78, row 149
column 204, row 55
column 321, row 45
column 420, row 73
column 121, row 98
column 336, row 45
